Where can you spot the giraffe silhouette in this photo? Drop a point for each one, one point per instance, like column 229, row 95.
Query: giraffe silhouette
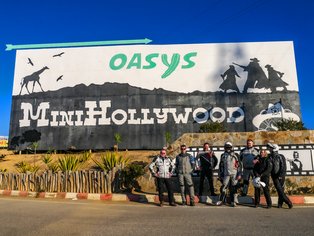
column 32, row 78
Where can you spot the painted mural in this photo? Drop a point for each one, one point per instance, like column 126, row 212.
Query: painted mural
column 81, row 97
column 299, row 158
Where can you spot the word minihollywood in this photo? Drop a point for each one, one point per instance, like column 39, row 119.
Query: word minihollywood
column 98, row 113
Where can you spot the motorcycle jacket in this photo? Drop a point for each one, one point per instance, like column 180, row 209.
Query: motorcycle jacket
column 229, row 164
column 247, row 156
column 263, row 167
column 162, row 167
column 207, row 159
column 185, row 163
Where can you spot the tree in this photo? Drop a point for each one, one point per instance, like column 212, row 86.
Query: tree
column 31, row 136
column 34, row 146
column 288, row 125
column 212, row 127
column 168, row 138
column 117, row 139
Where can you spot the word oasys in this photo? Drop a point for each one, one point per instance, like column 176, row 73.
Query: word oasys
column 172, row 62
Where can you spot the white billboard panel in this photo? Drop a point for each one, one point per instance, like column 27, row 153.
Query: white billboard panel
column 180, row 68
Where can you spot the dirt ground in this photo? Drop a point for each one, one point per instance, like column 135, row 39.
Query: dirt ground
column 11, row 159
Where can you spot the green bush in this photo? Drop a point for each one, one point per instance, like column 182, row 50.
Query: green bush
column 47, row 158
column 109, row 160
column 85, row 156
column 69, row 163
column 131, row 173
column 287, row 125
column 24, row 167
column 212, row 127
column 291, row 187
column 53, row 167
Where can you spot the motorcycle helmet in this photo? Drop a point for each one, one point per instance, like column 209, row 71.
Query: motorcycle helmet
column 258, row 183
column 228, row 145
column 273, row 146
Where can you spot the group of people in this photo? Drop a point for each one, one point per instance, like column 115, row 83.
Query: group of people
column 234, row 172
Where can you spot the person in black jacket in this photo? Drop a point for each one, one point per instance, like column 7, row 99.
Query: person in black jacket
column 208, row 162
column 278, row 174
column 262, row 169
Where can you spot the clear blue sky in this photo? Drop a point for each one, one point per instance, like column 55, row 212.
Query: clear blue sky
column 163, row 21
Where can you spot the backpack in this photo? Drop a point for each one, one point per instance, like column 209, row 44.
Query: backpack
column 279, row 164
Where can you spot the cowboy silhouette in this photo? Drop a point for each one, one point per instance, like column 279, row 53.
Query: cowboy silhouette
column 256, row 77
column 230, row 81
column 275, row 80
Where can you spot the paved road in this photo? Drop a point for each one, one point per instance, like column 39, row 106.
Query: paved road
column 65, row 217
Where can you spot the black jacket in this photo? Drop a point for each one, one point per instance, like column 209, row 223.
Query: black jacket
column 208, row 160
column 263, row 167
column 279, row 165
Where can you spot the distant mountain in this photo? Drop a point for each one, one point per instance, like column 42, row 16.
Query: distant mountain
column 111, row 89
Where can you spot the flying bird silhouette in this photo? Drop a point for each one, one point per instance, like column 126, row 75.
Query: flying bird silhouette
column 59, row 78
column 58, row 55
column 30, row 61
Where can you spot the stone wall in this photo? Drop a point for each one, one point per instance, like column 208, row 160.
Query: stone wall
column 239, row 138
column 294, row 184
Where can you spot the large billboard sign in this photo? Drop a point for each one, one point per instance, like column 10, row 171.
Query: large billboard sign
column 81, row 97
column 3, row 141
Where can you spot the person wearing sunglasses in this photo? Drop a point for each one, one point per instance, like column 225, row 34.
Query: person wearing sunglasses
column 229, row 174
column 185, row 165
column 162, row 168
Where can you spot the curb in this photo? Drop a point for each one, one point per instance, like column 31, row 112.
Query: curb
column 143, row 198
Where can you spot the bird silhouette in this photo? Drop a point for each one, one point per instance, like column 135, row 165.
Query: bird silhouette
column 30, row 61
column 59, row 78
column 58, row 55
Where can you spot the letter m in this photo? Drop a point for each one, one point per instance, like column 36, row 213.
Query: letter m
column 40, row 115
